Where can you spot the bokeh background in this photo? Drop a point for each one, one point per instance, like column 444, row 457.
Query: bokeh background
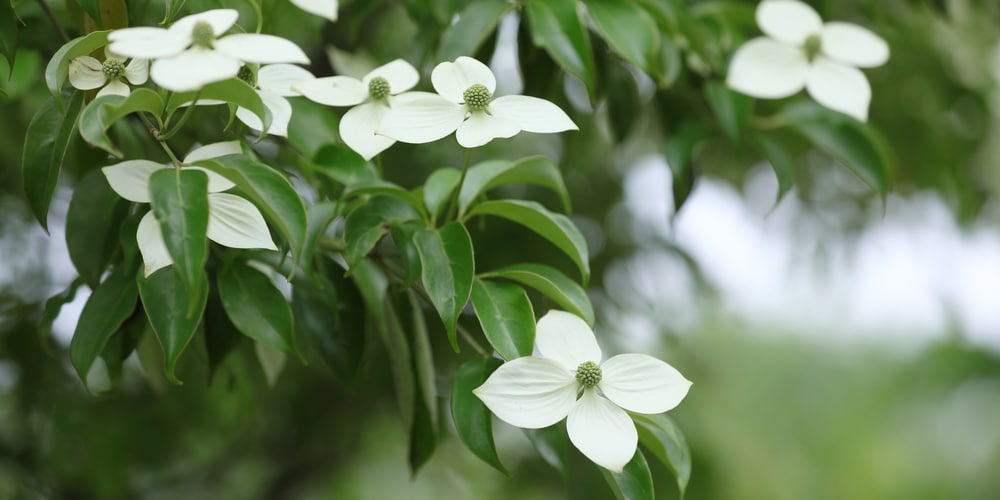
column 842, row 346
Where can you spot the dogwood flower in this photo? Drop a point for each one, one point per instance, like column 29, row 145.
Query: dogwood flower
column 86, row 73
column 464, row 104
column 800, row 51
column 322, row 8
column 568, row 381
column 232, row 221
column 273, row 83
column 192, row 53
column 372, row 96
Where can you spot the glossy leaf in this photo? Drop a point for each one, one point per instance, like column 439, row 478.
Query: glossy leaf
column 659, row 435
column 179, row 200
column 473, row 421
column 343, row 165
column 165, row 300
column 104, row 111
column 256, row 306
column 402, row 235
column 634, row 482
column 367, row 224
column 106, row 309
column 447, row 268
column 556, row 26
column 57, row 70
column 537, row 170
column 556, row 228
column 386, row 188
column 551, row 283
column 93, row 222
column 730, row 107
column 45, row 144
column 319, row 216
column 233, row 91
column 506, row 317
column 475, row 23
column 439, row 189
column 629, row 30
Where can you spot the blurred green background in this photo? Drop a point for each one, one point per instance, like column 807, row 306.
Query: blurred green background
column 807, row 383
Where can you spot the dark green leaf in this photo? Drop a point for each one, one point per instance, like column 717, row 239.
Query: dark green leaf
column 93, row 222
column 629, row 30
column 447, row 269
column 781, row 161
column 537, row 170
column 53, row 307
column 402, row 235
column 221, row 335
column 731, row 108
column 367, row 224
column 505, row 314
column 57, row 70
column 93, row 9
column 106, row 309
column 102, row 112
column 343, row 165
column 319, row 217
column 45, row 145
column 165, row 299
column 332, row 317
column 664, row 440
column 310, row 126
column 556, row 228
column 473, row 421
column 179, row 200
column 474, row 24
column 438, row 190
column 256, row 306
column 551, row 283
column 680, row 153
column 634, row 482
column 552, row 444
column 386, row 188
column 233, row 91
column 121, row 345
column 556, row 26
column 9, row 28
column 423, row 434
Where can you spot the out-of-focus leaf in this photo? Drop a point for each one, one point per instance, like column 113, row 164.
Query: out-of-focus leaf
column 53, row 306
column 634, row 482
column 731, row 108
column 423, row 433
column 474, row 24
column 505, row 314
column 93, row 9
column 179, row 200
column 343, row 165
column 319, row 216
column 556, row 26
column 165, row 299
column 402, row 235
column 310, row 126
column 256, row 306
column 664, row 440
column 552, row 444
column 781, row 161
column 679, row 150
column 45, row 145
column 106, row 309
column 93, row 222
column 8, row 32
column 221, row 335
column 104, row 111
column 629, row 30
column 57, row 70
column 272, row 361
column 367, row 224
column 113, row 13
column 537, row 170
column 551, row 283
column 473, row 421
column 233, row 91
column 447, row 269
column 438, row 190
column 623, row 98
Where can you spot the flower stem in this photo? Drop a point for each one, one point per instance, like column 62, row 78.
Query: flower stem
column 55, row 21
column 180, row 123
column 453, row 208
column 159, row 139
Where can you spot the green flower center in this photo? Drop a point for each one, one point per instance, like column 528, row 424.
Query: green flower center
column 113, row 68
column 477, row 98
column 378, row 88
column 588, row 374
column 202, row 34
column 247, row 74
column 813, row 46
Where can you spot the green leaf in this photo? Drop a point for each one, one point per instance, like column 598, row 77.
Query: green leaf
column 680, row 153
column 556, row 228
column 474, row 25
column 165, row 299
column 537, row 170
column 857, row 145
column 367, row 224
column 270, row 192
column 731, row 108
column 256, row 306
column 634, row 482
column 629, row 30
column 221, row 335
column 309, row 130
column 45, row 144
column 448, row 267
column 93, row 222
column 179, row 200
column 664, row 440
column 423, row 433
column 9, row 27
column 92, row 7
column 318, row 218
column 781, row 161
column 53, row 306
column 556, row 26
column 104, row 111
column 386, row 188
column 505, row 314
column 551, row 283
column 438, row 190
column 552, row 444
column 57, row 70
column 233, row 91
column 402, row 235
column 343, row 165
column 104, row 313
column 473, row 421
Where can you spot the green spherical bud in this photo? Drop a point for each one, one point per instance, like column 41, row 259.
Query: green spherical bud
column 247, row 74
column 477, row 97
column 378, row 88
column 813, row 46
column 113, row 68
column 588, row 374
column 202, row 34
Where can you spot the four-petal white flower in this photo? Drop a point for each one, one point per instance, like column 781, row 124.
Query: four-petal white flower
column 86, row 73
column 538, row 391
column 465, row 105
column 273, row 84
column 322, row 8
column 232, row 221
column 800, row 51
column 192, row 53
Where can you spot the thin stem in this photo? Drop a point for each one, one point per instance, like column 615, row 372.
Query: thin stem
column 472, row 340
column 453, row 206
column 55, row 22
column 257, row 11
column 180, row 123
column 159, row 139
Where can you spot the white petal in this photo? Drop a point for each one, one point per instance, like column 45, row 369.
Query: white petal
column 216, row 182
column 567, row 339
column 421, row 120
column 281, row 113
column 137, row 71
column 236, row 223
column 532, row 114
column 214, row 150
column 151, row 246
column 279, row 78
column 334, row 90
column 789, row 21
column 147, row 43
column 642, row 383
column 115, row 87
column 220, row 20
column 765, row 68
column 603, row 432
column 400, row 75
column 840, row 88
column 322, row 8
column 86, row 73
column 452, row 79
column 482, row 128
column 851, row 44
column 529, row 392
column 357, row 129
column 193, row 69
column 262, row 49
column 130, row 179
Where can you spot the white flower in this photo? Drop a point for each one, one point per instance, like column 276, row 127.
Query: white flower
column 273, row 83
column 800, row 51
column 322, row 8
column 232, row 221
column 86, row 73
column 191, row 54
column 535, row 392
column 372, row 96
column 465, row 105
